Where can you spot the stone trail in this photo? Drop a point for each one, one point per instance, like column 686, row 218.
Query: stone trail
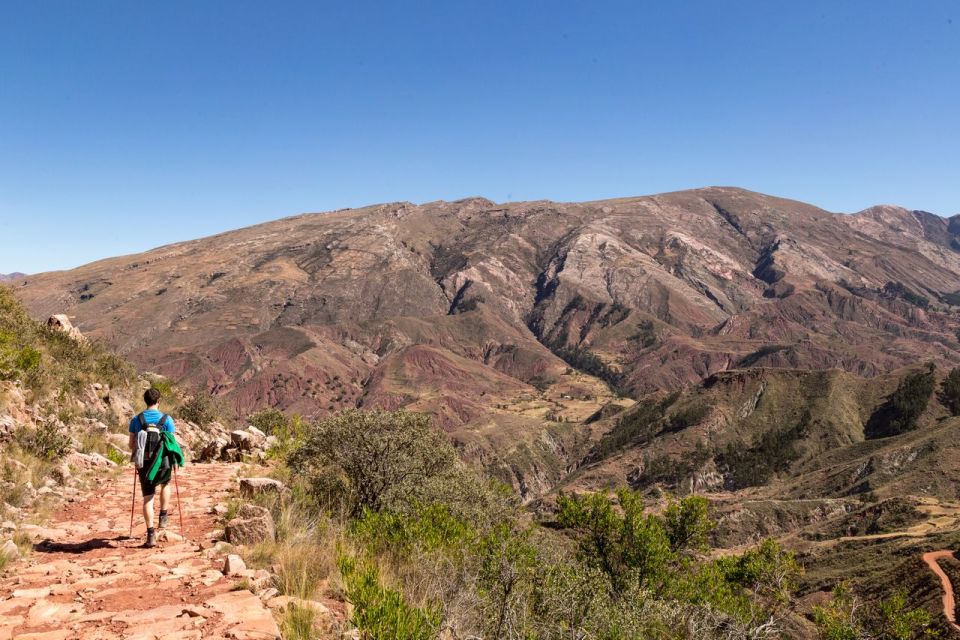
column 86, row 580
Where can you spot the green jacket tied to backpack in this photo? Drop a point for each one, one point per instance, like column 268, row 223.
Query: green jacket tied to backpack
column 168, row 455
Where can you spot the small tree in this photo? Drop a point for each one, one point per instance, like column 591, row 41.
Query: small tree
column 375, row 460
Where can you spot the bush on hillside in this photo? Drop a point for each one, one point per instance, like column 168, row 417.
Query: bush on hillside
column 46, row 442
column 375, row 460
column 201, row 408
column 270, row 421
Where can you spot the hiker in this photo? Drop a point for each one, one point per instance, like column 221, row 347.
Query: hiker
column 155, row 452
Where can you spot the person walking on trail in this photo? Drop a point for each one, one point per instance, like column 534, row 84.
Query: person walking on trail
column 155, row 453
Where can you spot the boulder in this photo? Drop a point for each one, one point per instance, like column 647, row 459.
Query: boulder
column 89, row 460
column 251, row 526
column 60, row 322
column 242, row 440
column 250, row 487
column 234, row 565
column 119, row 440
column 61, row 473
column 212, row 450
column 10, row 550
column 119, row 406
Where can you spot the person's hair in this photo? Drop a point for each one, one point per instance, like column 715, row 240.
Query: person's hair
column 151, row 396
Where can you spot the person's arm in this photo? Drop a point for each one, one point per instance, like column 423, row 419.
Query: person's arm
column 133, row 428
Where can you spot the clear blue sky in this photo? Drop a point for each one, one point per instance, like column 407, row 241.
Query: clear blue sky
column 126, row 125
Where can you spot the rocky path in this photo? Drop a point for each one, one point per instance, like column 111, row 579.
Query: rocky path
column 86, row 580
column 949, row 605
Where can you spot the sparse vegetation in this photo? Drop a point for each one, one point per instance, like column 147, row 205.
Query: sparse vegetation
column 904, row 406
column 950, row 392
column 47, row 443
column 416, row 543
column 899, row 290
column 750, row 466
column 589, row 362
column 49, row 361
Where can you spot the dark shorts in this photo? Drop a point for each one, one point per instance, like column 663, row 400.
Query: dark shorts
column 148, row 488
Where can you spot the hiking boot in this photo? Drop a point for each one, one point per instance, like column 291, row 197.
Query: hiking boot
column 164, row 519
column 151, row 539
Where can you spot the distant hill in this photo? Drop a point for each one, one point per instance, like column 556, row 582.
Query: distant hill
column 11, row 276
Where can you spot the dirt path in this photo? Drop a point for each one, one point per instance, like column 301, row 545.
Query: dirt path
column 88, row 581
column 949, row 606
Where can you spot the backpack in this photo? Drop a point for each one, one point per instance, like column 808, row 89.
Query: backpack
column 148, row 443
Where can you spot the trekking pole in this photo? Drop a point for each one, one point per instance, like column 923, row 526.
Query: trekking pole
column 134, row 502
column 176, row 483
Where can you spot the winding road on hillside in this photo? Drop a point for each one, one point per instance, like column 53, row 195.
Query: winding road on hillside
column 86, row 580
column 949, row 604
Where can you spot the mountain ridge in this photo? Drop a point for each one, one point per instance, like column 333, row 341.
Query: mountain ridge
column 514, row 322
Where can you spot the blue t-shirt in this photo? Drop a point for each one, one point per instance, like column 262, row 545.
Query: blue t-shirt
column 151, row 416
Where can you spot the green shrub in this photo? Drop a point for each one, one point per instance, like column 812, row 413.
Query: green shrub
column 357, row 460
column 842, row 618
column 200, row 409
column 380, row 613
column 117, row 457
column 27, row 359
column 46, row 443
column 427, row 528
column 270, row 421
column 631, row 548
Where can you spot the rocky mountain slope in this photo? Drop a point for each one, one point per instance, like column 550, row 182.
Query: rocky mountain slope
column 514, row 322
column 11, row 276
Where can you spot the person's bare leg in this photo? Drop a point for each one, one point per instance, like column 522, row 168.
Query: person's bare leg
column 164, row 497
column 148, row 511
